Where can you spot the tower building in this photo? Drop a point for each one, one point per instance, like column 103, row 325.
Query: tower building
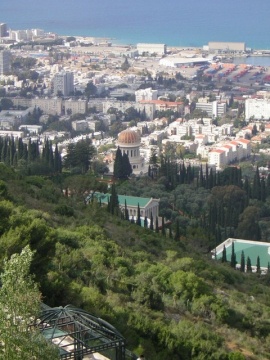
column 3, row 30
column 63, row 83
column 5, row 62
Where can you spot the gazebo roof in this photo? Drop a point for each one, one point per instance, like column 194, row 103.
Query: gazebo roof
column 78, row 333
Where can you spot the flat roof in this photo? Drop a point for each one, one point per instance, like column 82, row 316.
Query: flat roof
column 251, row 248
column 130, row 200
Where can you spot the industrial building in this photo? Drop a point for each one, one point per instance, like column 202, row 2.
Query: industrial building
column 144, row 48
column 226, row 46
column 257, row 109
column 181, row 61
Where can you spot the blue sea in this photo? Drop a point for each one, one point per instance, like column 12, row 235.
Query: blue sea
column 174, row 22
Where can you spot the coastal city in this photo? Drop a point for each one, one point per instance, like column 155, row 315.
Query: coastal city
column 195, row 100
column 134, row 185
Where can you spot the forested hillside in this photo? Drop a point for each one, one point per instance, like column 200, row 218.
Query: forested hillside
column 161, row 290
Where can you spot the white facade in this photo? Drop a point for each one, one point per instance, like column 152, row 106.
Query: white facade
column 257, row 108
column 146, row 94
column 217, row 157
column 213, row 109
column 63, row 82
column 79, row 125
column 228, row 152
column 124, row 105
column 75, row 106
column 159, row 49
column 5, row 62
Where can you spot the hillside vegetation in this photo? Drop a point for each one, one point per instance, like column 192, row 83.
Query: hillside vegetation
column 164, row 294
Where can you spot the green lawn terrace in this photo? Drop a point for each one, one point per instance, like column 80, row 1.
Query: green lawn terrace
column 253, row 249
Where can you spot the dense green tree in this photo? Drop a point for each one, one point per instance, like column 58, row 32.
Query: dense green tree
column 233, row 257
column 138, row 220
column 224, row 255
column 249, row 267
column 258, row 265
column 122, row 168
column 79, row 156
column 19, row 307
column 90, row 90
column 243, row 262
column 125, row 65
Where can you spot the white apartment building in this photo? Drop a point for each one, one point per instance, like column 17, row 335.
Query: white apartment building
column 149, row 108
column 74, row 106
column 5, row 62
column 224, row 154
column 79, row 125
column 213, row 109
column 52, row 106
column 63, row 83
column 217, row 157
column 146, row 94
column 257, row 108
column 159, row 49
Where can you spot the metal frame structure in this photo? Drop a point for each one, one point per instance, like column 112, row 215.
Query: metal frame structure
column 78, row 333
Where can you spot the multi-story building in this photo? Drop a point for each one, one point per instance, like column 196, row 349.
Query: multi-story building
column 75, row 106
column 146, row 94
column 148, row 108
column 79, row 125
column 51, row 106
column 5, row 62
column 228, row 152
column 3, row 30
column 257, row 109
column 213, row 109
column 63, row 83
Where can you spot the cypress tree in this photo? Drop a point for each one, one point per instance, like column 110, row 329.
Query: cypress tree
column 268, row 185
column 20, row 149
column 233, row 257
column 151, row 222
column 170, row 232
column 258, row 265
column 4, row 151
column 156, row 228
column 177, row 230
column 138, row 221
column 263, row 190
column 163, row 226
column 114, row 203
column 145, row 224
column 256, row 190
column 224, row 254
column 126, row 211
column 126, row 167
column 117, row 167
column 249, row 267
column 243, row 262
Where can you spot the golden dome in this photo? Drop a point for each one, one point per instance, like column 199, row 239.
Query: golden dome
column 129, row 137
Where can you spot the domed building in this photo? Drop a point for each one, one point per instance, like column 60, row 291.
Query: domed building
column 129, row 142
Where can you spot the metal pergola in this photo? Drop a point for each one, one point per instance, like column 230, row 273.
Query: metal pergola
column 78, row 333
